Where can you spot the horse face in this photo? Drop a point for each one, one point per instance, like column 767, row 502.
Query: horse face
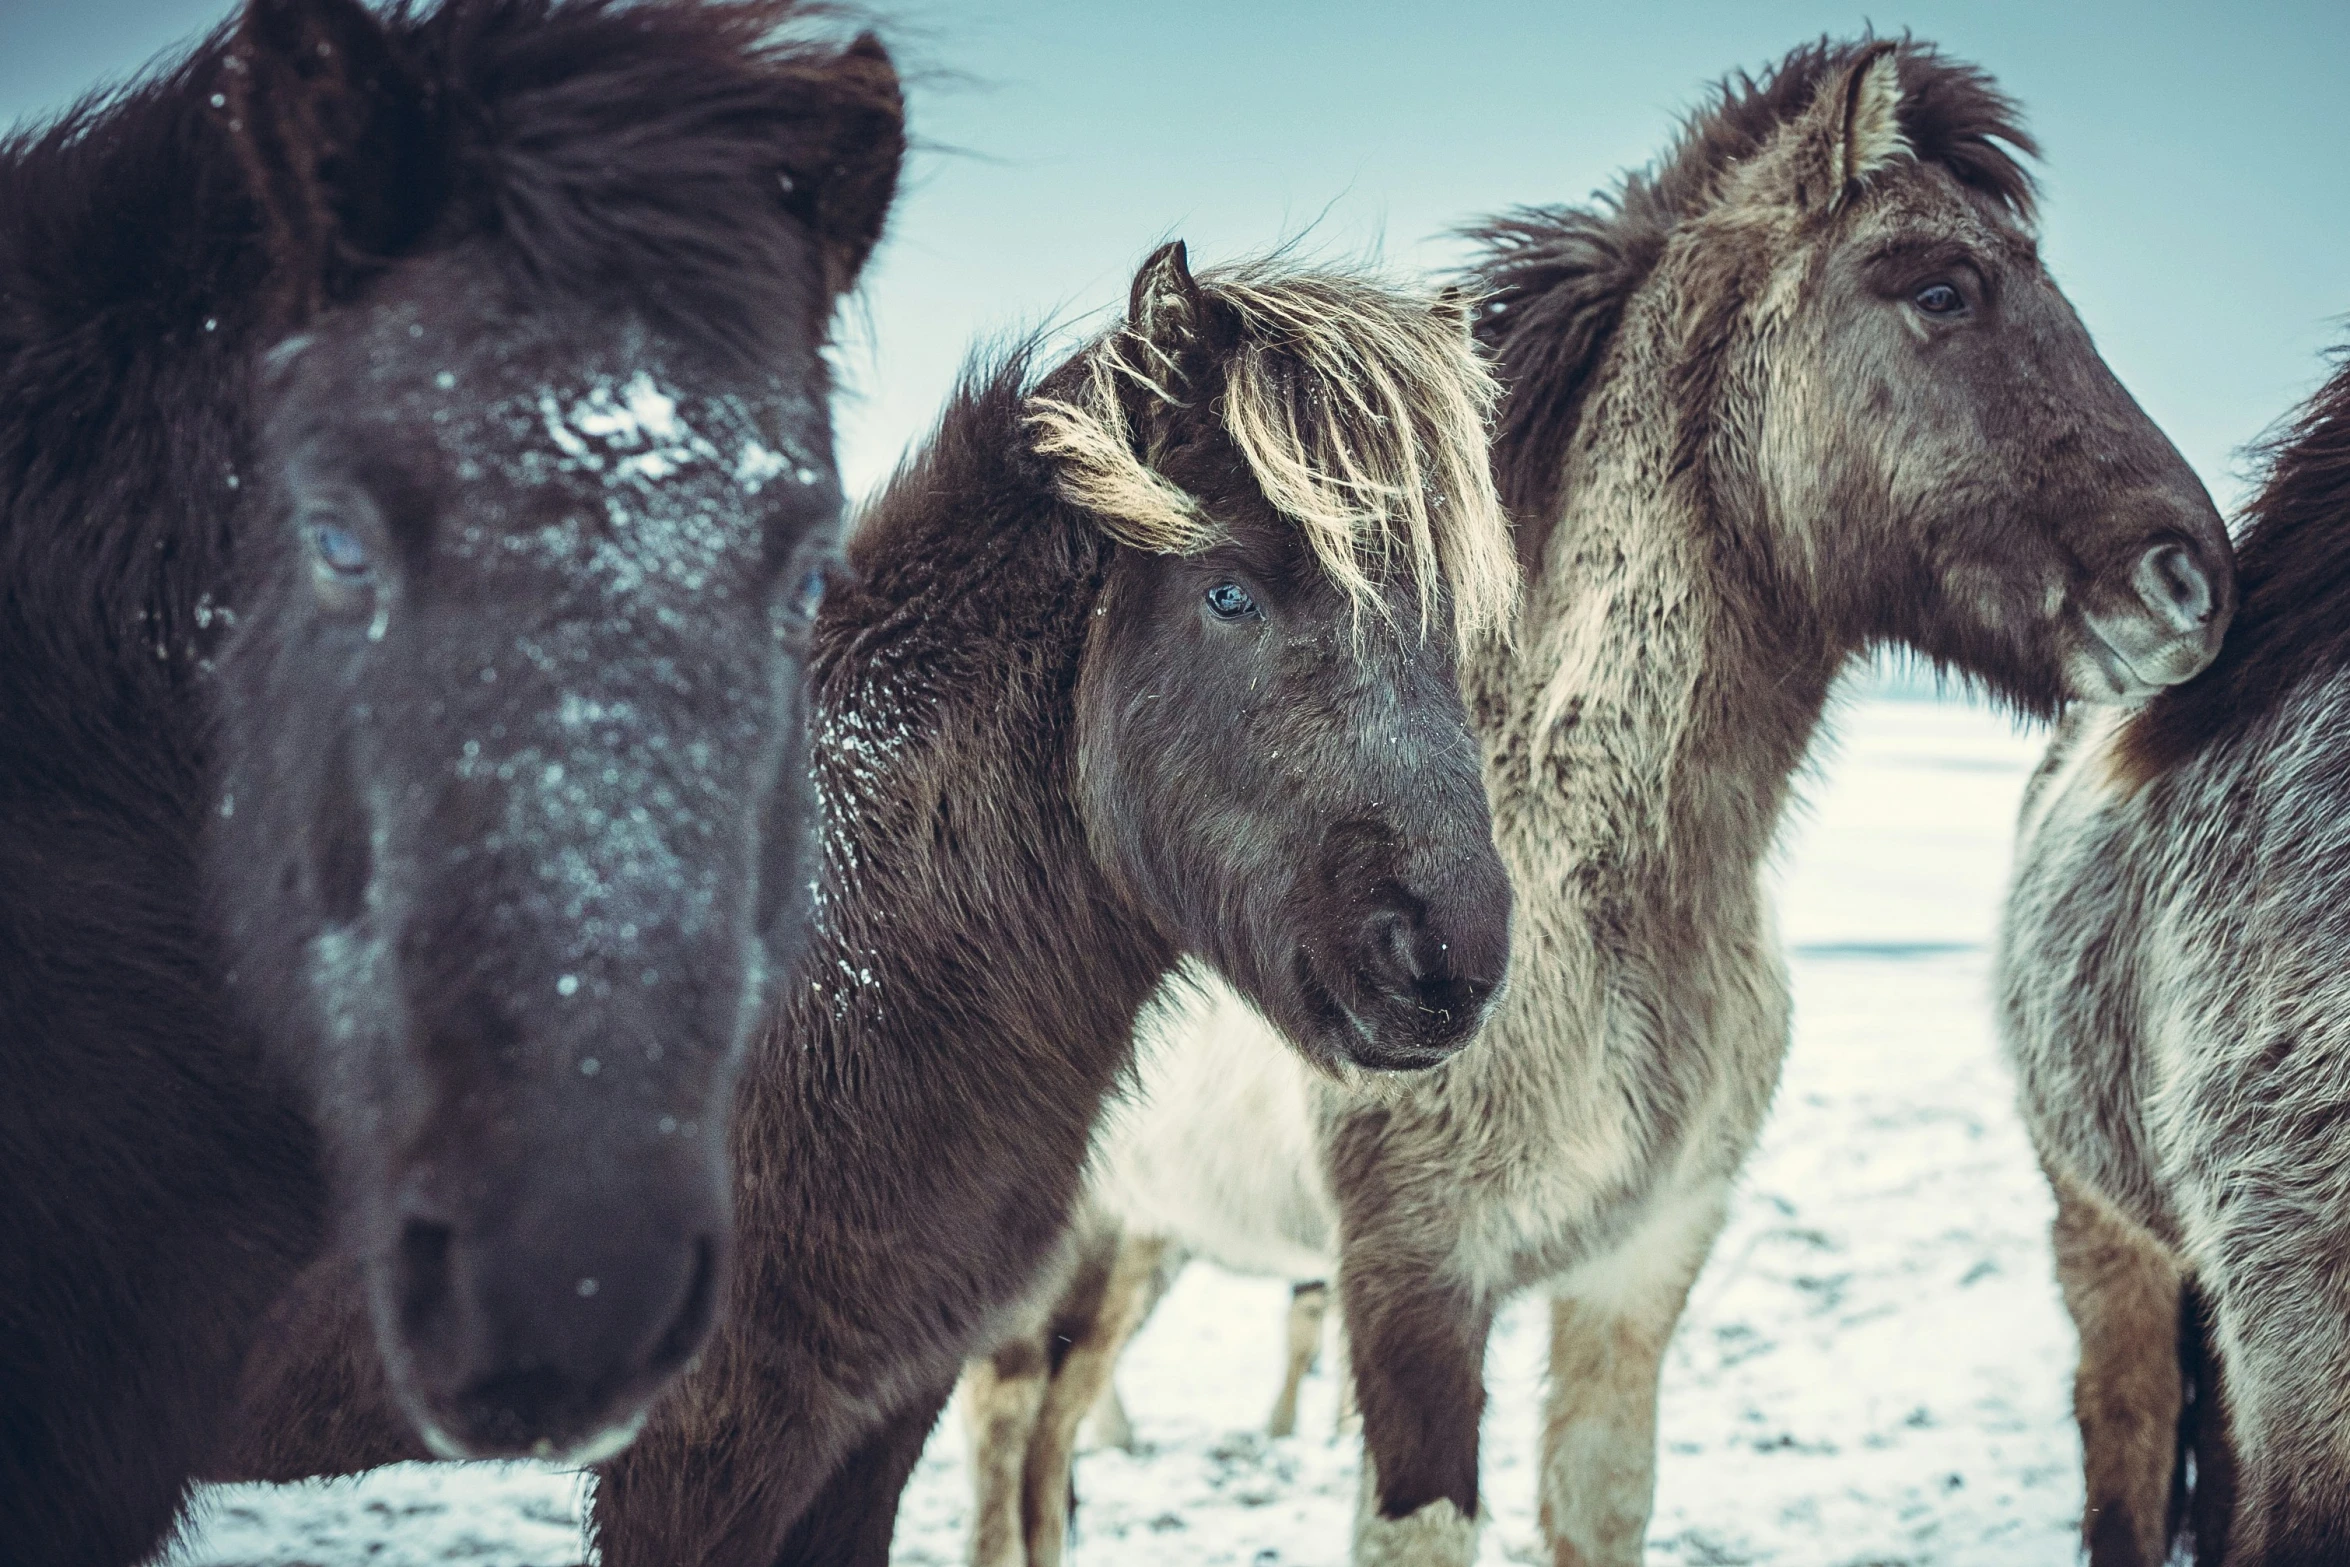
column 1296, row 789
column 516, row 816
column 1974, row 480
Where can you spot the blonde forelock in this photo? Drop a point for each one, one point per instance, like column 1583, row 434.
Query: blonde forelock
column 1362, row 411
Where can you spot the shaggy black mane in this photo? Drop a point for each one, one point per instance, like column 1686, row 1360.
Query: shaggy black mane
column 1554, row 280
column 2293, row 590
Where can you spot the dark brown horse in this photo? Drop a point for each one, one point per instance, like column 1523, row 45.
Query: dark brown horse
column 2173, row 993
column 415, row 483
column 1153, row 655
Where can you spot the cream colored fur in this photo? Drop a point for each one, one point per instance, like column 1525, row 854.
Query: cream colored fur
column 1214, row 1150
column 1434, row 1536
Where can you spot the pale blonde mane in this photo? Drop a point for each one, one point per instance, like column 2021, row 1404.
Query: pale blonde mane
column 1362, row 411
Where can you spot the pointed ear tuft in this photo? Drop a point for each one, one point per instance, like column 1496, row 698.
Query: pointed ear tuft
column 1871, row 135
column 1167, row 307
column 338, row 147
column 1456, row 305
column 845, row 188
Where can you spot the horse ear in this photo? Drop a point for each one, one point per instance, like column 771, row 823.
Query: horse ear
column 333, row 130
column 1167, row 308
column 1854, row 127
column 844, row 183
column 1164, row 345
column 1456, row 306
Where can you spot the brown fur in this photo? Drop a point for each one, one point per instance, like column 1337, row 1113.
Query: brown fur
column 2123, row 1291
column 1026, row 734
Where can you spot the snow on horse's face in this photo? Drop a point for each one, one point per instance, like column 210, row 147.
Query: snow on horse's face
column 515, row 810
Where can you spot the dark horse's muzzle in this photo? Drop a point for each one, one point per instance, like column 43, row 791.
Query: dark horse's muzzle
column 548, row 1333
column 554, row 1222
column 1429, row 950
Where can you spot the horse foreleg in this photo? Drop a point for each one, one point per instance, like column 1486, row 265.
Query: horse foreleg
column 848, row 1523
column 1609, row 1325
column 1418, row 1352
column 2122, row 1289
column 1308, row 1305
column 1349, row 1418
column 1085, row 1370
column 1003, row 1398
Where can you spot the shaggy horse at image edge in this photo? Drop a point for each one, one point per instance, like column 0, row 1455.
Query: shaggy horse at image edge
column 1801, row 389
column 367, row 548
column 2171, row 993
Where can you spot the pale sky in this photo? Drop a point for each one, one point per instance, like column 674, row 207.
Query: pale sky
column 2197, row 175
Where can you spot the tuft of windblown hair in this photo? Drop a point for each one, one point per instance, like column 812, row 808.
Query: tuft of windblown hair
column 1555, row 280
column 2292, row 619
column 1363, row 412
column 648, row 150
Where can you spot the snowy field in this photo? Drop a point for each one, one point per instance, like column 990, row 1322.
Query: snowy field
column 1874, row 1369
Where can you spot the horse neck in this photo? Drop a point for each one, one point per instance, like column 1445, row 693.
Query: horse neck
column 968, row 952
column 1645, row 729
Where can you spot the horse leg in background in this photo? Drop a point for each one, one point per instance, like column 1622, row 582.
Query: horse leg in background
column 849, row 1522
column 1610, row 1321
column 1349, row 1417
column 2209, row 1507
column 1003, row 1397
column 2123, row 1291
column 1089, row 1354
column 1107, row 1425
column 1308, row 1305
column 1418, row 1355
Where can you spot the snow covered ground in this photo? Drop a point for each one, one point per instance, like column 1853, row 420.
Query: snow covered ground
column 1874, row 1369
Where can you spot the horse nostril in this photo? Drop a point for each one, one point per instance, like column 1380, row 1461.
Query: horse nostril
column 2174, row 588
column 1391, row 946
column 425, row 1296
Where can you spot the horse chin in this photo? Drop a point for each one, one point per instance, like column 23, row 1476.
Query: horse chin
column 2099, row 671
column 585, row 1453
column 576, row 1438
column 1376, row 1038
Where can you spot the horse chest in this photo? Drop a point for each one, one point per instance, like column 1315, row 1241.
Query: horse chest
column 1599, row 1090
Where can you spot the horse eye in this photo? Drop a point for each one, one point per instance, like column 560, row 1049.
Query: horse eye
column 1230, row 601
column 808, row 597
column 1939, row 299
column 340, row 552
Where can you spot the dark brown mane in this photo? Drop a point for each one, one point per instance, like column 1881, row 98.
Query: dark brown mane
column 607, row 145
column 1554, row 280
column 597, row 146
column 2293, row 578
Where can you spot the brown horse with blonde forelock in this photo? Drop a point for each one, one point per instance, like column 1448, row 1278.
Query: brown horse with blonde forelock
column 1801, row 389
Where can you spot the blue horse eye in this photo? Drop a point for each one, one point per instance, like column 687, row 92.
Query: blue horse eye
column 808, row 597
column 1230, row 600
column 1939, row 299
column 339, row 551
